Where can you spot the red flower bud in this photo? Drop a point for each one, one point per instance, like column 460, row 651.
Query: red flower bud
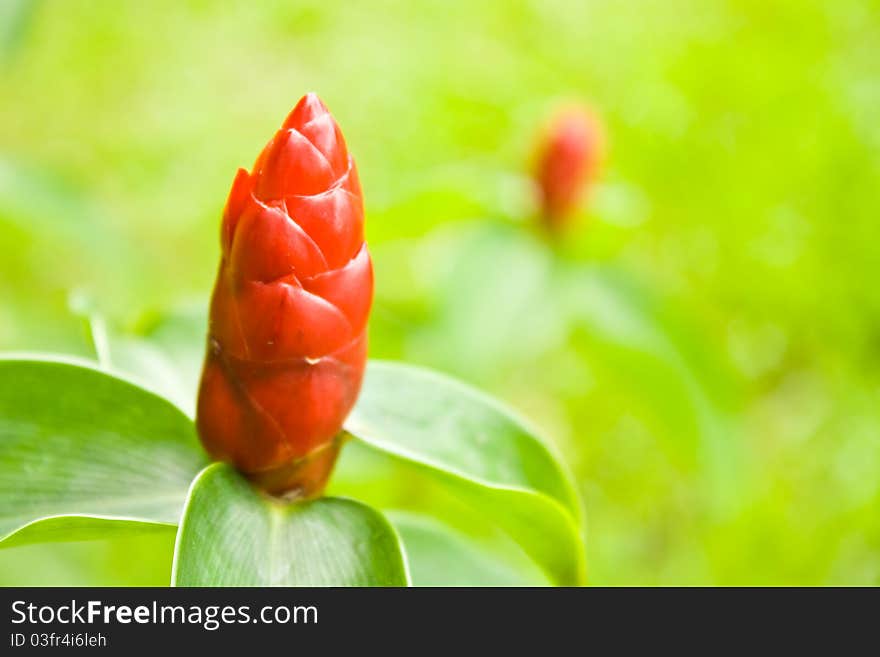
column 287, row 330
column 569, row 158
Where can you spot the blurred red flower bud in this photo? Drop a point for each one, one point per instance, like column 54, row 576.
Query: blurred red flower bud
column 287, row 331
column 569, row 158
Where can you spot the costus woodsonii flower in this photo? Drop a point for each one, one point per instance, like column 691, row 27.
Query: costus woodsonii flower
column 569, row 157
column 287, row 331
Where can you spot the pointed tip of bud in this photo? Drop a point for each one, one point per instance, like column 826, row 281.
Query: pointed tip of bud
column 238, row 194
column 308, row 108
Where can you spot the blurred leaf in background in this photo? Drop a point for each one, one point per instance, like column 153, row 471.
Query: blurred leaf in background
column 709, row 359
column 15, row 19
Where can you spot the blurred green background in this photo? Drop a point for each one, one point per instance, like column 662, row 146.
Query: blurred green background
column 703, row 347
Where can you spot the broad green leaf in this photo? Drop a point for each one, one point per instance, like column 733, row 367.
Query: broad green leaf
column 115, row 559
column 482, row 453
column 441, row 556
column 69, row 528
column 163, row 352
column 231, row 535
column 166, row 353
column 82, row 443
column 439, row 519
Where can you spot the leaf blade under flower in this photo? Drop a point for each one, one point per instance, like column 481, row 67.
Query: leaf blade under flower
column 231, row 535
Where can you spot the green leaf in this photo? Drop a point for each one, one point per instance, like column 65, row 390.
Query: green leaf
column 81, row 448
column 69, row 528
column 116, row 559
column 231, row 535
column 479, row 451
column 441, row 556
column 488, row 458
column 166, row 353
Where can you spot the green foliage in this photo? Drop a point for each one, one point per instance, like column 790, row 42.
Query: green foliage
column 83, row 448
column 476, row 449
column 117, row 559
column 440, row 556
column 230, row 535
column 87, row 455
column 165, row 351
column 77, row 527
column 714, row 387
